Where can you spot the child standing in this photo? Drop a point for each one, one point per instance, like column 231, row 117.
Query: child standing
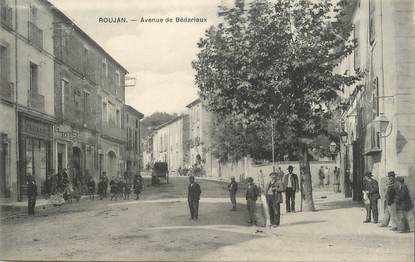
column 91, row 188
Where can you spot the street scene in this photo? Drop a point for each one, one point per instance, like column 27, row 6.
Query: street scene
column 207, row 130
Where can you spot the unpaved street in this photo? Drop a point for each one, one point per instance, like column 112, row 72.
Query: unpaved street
column 157, row 227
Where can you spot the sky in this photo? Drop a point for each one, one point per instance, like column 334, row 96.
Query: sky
column 158, row 55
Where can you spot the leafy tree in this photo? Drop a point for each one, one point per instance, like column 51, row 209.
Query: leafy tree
column 277, row 60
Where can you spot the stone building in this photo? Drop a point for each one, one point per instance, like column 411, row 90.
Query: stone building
column 89, row 137
column 199, row 138
column 385, row 34
column 169, row 143
column 133, row 155
column 26, row 95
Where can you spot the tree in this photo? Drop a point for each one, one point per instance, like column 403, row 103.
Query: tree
column 154, row 120
column 277, row 61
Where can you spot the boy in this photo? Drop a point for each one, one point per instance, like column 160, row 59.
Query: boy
column 252, row 193
column 91, row 188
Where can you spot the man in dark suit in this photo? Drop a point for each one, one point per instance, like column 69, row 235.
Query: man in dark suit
column 291, row 186
column 193, row 197
column 372, row 187
column 31, row 195
column 233, row 188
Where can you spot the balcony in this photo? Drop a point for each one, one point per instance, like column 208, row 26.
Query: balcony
column 35, row 35
column 36, row 101
column 6, row 16
column 114, row 133
column 6, row 90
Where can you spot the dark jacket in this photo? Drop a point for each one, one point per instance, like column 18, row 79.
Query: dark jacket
column 252, row 192
column 390, row 193
column 403, row 199
column 233, row 187
column 373, row 189
column 91, row 186
column 194, row 192
column 294, row 182
column 31, row 189
column 274, row 189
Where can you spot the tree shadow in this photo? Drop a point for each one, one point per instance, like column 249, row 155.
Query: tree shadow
column 340, row 204
column 305, row 222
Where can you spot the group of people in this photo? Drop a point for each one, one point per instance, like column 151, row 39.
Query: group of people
column 324, row 178
column 280, row 183
column 62, row 187
column 397, row 203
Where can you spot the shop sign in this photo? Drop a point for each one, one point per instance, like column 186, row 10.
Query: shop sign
column 35, row 128
column 66, row 133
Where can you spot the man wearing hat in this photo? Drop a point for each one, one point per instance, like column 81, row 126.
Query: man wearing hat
column 389, row 204
column 233, row 187
column 291, row 186
column 273, row 194
column 31, row 195
column 372, row 187
column 193, row 197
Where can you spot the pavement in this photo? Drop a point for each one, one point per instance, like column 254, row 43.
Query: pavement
column 157, row 227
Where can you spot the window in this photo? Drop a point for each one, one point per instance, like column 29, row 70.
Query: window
column 34, row 78
column 104, row 112
column 135, row 140
column 33, row 14
column 117, row 118
column 86, row 101
column 372, row 28
column 64, row 84
column 4, row 64
column 117, row 81
column 105, row 68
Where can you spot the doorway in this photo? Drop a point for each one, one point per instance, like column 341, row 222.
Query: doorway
column 77, row 163
column 112, row 164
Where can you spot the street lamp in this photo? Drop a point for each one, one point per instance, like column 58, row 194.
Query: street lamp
column 343, row 137
column 333, row 148
column 381, row 123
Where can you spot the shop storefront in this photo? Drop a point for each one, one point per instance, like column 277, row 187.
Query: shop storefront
column 35, row 152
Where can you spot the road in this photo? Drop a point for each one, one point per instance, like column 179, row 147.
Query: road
column 157, row 227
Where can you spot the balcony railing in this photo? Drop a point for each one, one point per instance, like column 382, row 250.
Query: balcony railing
column 35, row 35
column 6, row 90
column 116, row 133
column 37, row 101
column 6, row 16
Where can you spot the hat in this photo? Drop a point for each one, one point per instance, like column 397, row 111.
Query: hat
column 368, row 174
column 391, row 174
column 272, row 174
column 250, row 179
column 290, row 167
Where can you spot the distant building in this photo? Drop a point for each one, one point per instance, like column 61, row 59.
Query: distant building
column 133, row 156
column 384, row 31
column 148, row 157
column 169, row 143
column 200, row 137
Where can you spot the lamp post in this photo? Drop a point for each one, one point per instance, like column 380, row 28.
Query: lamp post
column 333, row 147
column 381, row 123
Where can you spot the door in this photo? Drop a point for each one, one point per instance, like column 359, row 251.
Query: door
column 358, row 169
column 76, row 163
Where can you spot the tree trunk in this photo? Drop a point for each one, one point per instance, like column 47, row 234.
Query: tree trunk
column 308, row 188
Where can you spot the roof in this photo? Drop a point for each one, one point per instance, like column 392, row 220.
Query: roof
column 79, row 30
column 168, row 122
column 193, row 103
column 134, row 111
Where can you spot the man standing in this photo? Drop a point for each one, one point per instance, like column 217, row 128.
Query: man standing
column 389, row 204
column 91, row 188
column 291, row 186
column 233, row 187
column 193, row 197
column 273, row 193
column 31, row 195
column 372, row 187
column 403, row 205
column 252, row 193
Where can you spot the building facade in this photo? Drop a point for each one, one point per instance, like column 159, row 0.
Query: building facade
column 89, row 101
column 199, row 139
column 385, row 34
column 133, row 151
column 169, row 143
column 27, row 101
